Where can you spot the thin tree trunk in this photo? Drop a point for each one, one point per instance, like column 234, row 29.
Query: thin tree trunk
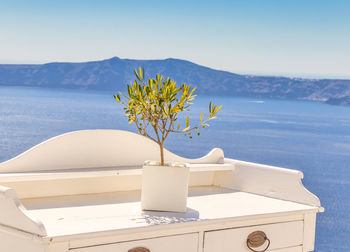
column 161, row 154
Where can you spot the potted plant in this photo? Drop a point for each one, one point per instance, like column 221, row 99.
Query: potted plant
column 154, row 105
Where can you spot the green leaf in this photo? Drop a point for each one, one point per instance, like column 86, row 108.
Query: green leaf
column 140, row 73
column 187, row 121
column 117, row 98
column 136, row 75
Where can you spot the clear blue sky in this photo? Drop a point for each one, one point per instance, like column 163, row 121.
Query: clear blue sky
column 300, row 37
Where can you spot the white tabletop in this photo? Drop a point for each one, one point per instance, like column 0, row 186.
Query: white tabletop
column 79, row 214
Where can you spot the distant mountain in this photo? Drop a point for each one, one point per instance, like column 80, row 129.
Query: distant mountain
column 114, row 73
column 345, row 100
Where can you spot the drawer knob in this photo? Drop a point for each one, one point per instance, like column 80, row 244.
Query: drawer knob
column 257, row 239
column 139, row 249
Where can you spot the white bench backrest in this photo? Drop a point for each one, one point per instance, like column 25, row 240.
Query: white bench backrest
column 94, row 149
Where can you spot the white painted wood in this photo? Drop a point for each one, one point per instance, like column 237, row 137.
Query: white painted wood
column 118, row 211
column 91, row 185
column 267, row 180
column 95, row 154
column 183, row 243
column 18, row 243
column 97, row 180
column 281, row 235
column 21, row 235
column 14, row 214
column 95, row 148
column 52, row 188
column 97, row 172
column 82, row 189
column 200, row 241
column 165, row 188
column 57, row 247
column 91, row 239
column 309, row 232
column 291, row 249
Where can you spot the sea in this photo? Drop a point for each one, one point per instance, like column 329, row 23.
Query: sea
column 309, row 136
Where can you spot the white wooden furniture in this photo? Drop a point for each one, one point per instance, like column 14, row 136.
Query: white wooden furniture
column 80, row 192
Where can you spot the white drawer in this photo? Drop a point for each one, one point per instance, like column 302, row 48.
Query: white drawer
column 281, row 235
column 293, row 249
column 183, row 243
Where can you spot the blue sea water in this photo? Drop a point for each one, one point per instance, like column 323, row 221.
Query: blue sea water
column 308, row 136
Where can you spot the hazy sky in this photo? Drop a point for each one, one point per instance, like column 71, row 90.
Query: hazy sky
column 297, row 37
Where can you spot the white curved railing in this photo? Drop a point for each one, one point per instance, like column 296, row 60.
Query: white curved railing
column 271, row 181
column 14, row 214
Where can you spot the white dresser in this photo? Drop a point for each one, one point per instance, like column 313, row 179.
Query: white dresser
column 80, row 192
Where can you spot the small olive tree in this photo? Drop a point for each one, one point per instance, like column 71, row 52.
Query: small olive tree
column 154, row 105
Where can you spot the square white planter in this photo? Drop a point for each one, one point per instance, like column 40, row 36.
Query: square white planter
column 165, row 188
